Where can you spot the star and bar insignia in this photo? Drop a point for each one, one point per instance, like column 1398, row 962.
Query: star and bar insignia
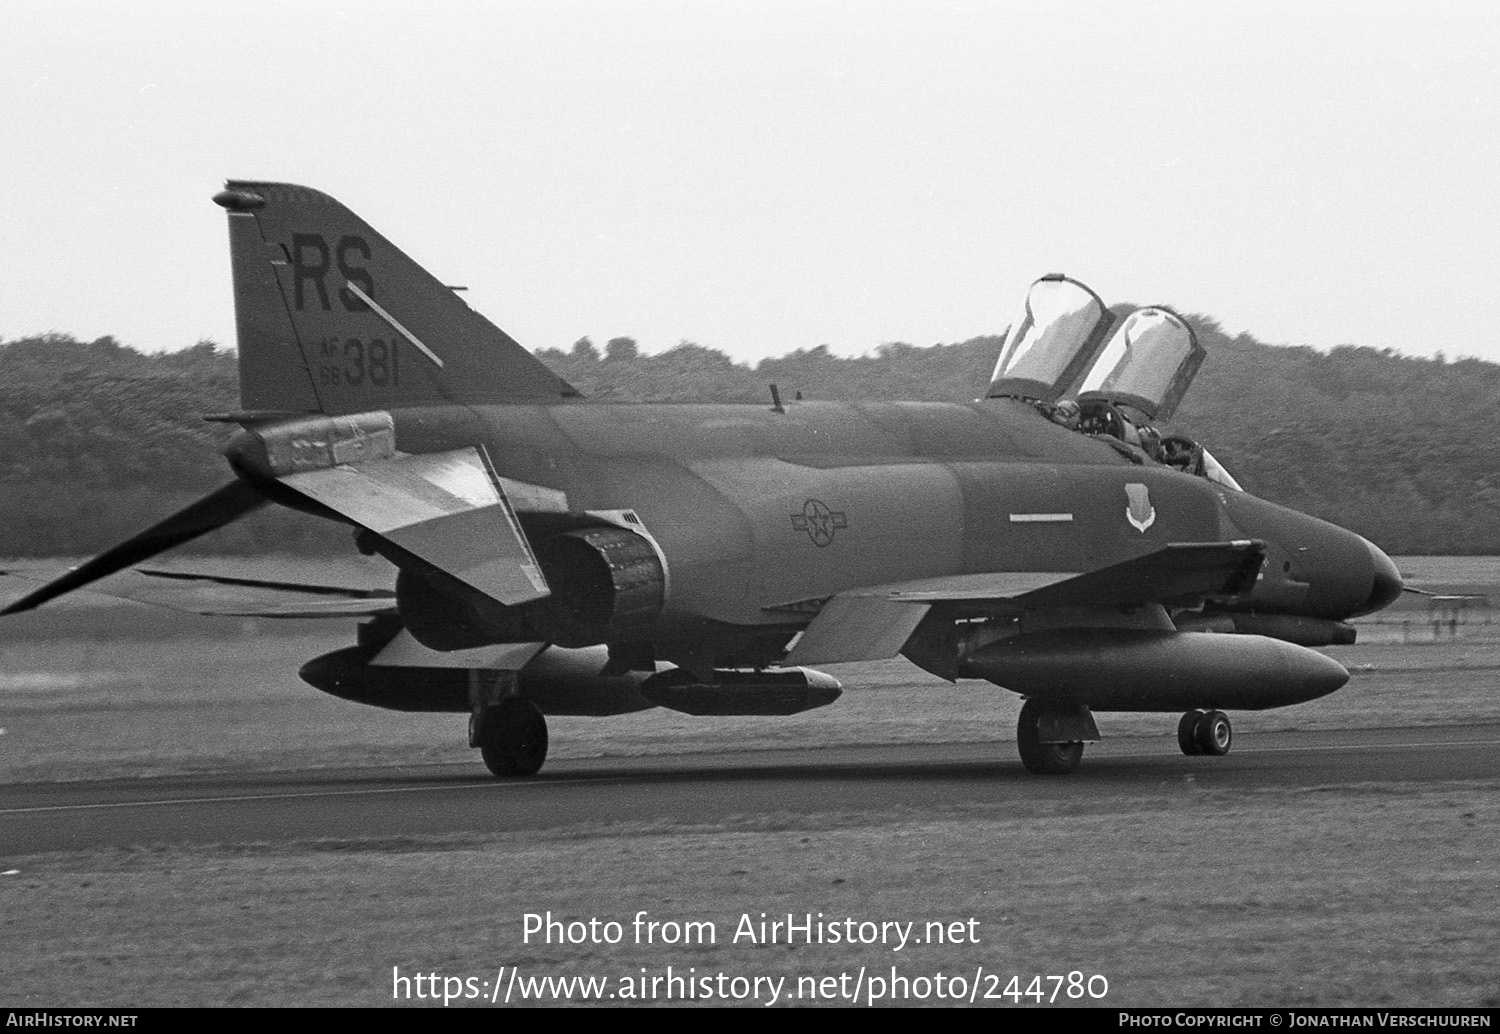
column 819, row 521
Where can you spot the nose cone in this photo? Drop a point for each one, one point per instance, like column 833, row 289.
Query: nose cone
column 1313, row 568
column 1386, row 587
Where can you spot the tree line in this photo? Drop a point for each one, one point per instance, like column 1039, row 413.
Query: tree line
column 98, row 440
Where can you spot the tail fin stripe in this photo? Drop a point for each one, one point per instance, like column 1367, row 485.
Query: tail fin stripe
column 394, row 324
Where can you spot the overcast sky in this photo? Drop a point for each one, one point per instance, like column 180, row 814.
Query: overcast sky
column 765, row 176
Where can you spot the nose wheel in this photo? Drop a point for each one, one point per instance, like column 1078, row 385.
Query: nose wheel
column 1205, row 732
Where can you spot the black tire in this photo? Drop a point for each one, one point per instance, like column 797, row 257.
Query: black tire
column 1214, row 734
column 1187, row 733
column 513, row 738
column 1043, row 758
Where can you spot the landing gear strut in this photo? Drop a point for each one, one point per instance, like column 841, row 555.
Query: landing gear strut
column 509, row 731
column 1050, row 740
column 1205, row 732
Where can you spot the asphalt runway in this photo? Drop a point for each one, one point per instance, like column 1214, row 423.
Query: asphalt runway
column 375, row 804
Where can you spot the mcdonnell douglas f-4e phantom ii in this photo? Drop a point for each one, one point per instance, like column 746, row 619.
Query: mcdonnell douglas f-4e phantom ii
column 560, row 556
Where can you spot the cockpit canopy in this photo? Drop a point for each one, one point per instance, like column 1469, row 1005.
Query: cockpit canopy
column 1052, row 341
column 1149, row 364
column 1138, row 377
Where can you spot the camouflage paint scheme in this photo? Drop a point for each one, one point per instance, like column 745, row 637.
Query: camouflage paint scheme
column 554, row 551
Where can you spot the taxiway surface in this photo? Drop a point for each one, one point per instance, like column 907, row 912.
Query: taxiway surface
column 374, row 803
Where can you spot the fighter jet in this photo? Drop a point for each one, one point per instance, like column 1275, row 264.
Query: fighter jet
column 556, row 556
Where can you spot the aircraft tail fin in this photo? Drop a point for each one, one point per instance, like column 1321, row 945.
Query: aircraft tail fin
column 333, row 318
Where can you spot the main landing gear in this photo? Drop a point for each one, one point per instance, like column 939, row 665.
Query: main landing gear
column 509, row 731
column 1205, row 732
column 1051, row 739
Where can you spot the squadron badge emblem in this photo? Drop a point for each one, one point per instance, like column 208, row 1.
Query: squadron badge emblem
column 1138, row 509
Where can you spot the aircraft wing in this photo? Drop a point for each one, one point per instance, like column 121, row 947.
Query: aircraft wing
column 225, row 595
column 874, row 622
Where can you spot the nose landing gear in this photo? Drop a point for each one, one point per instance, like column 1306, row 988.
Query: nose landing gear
column 1205, row 732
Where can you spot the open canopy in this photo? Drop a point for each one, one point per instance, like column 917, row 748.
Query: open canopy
column 1148, row 364
column 1052, row 341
